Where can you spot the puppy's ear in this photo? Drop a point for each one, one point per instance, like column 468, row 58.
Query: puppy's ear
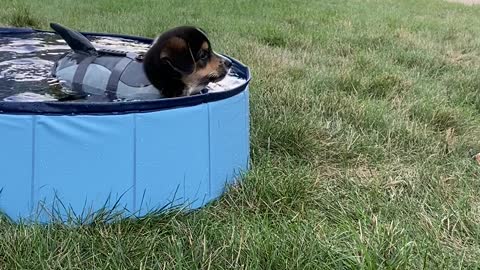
column 178, row 55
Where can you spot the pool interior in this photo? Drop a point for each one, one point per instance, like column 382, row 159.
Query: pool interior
column 26, row 61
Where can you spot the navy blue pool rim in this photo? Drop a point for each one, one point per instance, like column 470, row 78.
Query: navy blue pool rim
column 59, row 108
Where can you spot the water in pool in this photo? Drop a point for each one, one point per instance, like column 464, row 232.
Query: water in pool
column 26, row 63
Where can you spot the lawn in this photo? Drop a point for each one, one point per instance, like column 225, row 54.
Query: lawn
column 364, row 117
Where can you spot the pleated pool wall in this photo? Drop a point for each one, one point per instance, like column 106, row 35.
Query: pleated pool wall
column 76, row 165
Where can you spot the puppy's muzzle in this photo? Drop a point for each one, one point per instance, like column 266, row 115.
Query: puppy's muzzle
column 222, row 70
column 226, row 63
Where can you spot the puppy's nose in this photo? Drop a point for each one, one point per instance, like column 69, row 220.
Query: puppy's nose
column 227, row 63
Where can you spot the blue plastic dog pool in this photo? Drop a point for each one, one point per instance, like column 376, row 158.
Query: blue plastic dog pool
column 65, row 159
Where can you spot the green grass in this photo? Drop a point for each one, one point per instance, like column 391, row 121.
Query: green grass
column 363, row 117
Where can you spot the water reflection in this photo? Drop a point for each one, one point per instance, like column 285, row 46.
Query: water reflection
column 26, row 61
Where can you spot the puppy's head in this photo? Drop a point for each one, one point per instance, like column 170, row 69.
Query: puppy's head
column 181, row 62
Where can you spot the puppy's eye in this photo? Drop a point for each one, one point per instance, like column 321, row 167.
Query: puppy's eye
column 203, row 55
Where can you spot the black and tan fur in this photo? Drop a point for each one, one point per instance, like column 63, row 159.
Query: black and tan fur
column 181, row 62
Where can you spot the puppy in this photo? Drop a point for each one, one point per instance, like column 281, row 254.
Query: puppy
column 181, row 62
